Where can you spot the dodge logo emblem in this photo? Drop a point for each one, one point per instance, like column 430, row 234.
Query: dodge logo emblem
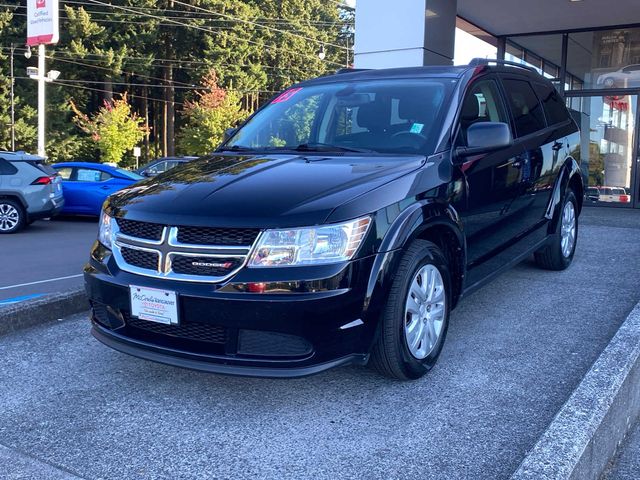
column 212, row 265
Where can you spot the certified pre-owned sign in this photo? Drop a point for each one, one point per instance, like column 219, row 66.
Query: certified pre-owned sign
column 42, row 22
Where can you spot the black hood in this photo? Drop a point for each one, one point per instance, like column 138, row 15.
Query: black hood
column 264, row 191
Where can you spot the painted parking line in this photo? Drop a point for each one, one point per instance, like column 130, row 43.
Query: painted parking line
column 11, row 301
column 40, row 281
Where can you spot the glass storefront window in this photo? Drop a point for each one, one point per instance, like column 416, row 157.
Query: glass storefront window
column 605, row 59
column 543, row 52
column 606, row 151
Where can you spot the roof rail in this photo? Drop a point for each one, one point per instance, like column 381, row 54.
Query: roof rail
column 486, row 61
column 351, row 70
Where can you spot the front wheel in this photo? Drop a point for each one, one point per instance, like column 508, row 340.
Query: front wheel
column 558, row 254
column 416, row 316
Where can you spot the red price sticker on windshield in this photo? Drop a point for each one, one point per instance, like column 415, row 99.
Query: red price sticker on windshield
column 284, row 96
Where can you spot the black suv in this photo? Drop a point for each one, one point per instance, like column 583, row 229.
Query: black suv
column 342, row 223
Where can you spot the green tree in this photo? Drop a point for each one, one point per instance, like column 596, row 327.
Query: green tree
column 208, row 117
column 114, row 129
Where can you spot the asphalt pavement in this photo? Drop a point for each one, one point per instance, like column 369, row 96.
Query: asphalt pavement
column 516, row 350
column 45, row 257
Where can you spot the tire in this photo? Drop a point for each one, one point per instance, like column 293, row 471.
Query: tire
column 12, row 216
column 392, row 355
column 556, row 255
column 609, row 82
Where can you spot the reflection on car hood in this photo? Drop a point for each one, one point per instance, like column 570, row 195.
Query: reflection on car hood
column 264, row 191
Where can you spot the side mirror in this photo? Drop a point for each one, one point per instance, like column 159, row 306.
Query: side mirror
column 228, row 133
column 484, row 137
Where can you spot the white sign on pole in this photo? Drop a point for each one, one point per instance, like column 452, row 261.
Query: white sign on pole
column 42, row 22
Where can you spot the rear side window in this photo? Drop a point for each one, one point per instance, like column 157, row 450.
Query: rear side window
column 90, row 175
column 6, row 168
column 65, row 172
column 526, row 109
column 552, row 102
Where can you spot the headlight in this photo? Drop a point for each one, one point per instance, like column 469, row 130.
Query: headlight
column 311, row 245
column 105, row 230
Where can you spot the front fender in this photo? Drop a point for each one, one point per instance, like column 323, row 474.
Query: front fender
column 410, row 224
column 417, row 218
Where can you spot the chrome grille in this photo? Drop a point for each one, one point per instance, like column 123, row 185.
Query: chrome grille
column 140, row 258
column 217, row 236
column 167, row 253
column 148, row 231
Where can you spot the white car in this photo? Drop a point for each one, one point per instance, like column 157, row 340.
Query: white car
column 613, row 194
column 625, row 77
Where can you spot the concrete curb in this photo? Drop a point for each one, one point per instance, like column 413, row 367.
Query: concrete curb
column 41, row 310
column 584, row 435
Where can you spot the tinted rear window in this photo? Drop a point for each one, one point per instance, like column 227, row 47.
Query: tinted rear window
column 527, row 111
column 554, row 107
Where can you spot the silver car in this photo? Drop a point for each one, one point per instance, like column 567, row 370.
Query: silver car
column 628, row 76
column 29, row 190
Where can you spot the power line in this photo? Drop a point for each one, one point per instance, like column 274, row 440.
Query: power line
column 201, row 14
column 197, row 27
column 133, row 84
column 73, row 85
column 136, row 84
column 249, row 22
column 66, row 55
column 147, row 76
column 163, row 61
column 98, row 67
column 126, row 22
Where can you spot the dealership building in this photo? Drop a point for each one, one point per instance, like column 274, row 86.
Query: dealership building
column 589, row 48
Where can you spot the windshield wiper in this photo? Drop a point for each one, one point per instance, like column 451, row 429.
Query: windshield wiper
column 235, row 148
column 327, row 147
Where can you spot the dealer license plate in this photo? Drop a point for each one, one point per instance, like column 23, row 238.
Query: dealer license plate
column 153, row 304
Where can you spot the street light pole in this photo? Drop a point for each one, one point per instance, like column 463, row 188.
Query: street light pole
column 41, row 102
column 13, row 113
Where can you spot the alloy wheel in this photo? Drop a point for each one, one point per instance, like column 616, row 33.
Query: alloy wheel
column 425, row 311
column 568, row 230
column 9, row 217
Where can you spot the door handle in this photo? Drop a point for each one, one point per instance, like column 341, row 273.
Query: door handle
column 104, row 187
column 557, row 146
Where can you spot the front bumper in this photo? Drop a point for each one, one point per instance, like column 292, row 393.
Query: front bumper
column 322, row 320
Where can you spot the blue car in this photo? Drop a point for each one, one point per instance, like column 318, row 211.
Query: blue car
column 87, row 185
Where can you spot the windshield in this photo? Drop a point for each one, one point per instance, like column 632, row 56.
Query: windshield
column 383, row 116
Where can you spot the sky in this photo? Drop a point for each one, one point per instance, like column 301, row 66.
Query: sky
column 468, row 47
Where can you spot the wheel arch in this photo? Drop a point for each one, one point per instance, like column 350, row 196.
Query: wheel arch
column 14, row 196
column 569, row 176
column 427, row 220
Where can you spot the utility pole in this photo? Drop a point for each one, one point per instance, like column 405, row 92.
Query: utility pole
column 13, row 112
column 169, row 94
column 42, row 28
column 41, row 102
column 347, row 52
